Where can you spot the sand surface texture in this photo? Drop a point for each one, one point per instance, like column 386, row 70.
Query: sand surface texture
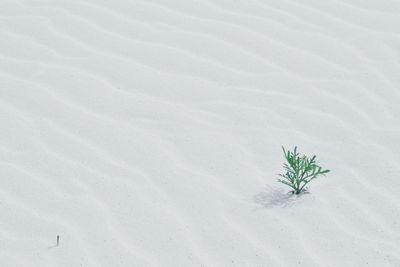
column 149, row 133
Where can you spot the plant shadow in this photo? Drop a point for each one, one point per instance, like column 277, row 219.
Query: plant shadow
column 276, row 197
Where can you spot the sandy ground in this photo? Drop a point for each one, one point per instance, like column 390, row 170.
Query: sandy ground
column 149, row 133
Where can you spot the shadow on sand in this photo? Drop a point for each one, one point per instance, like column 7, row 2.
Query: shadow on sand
column 276, row 197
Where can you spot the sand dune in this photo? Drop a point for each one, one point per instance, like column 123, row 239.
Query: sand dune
column 149, row 133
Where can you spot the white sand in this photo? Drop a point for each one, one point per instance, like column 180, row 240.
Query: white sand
column 149, row 133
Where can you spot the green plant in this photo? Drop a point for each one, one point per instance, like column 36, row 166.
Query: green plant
column 300, row 170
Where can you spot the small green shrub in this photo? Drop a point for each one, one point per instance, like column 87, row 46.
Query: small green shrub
column 300, row 170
